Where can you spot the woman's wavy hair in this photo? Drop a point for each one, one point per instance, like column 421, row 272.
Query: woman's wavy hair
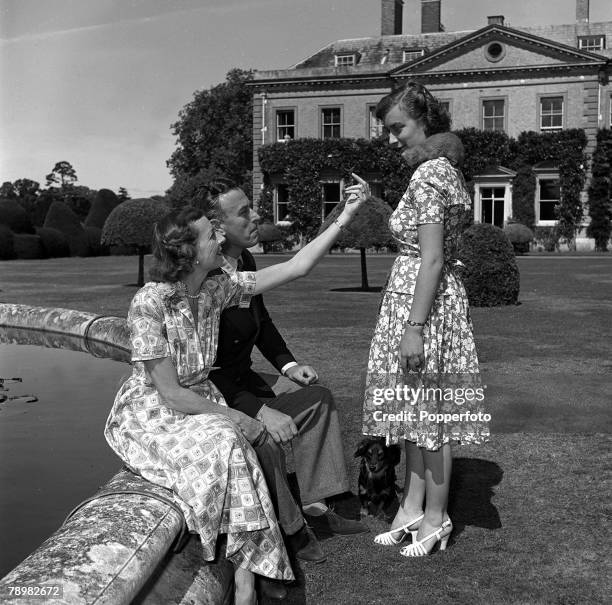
column 174, row 244
column 419, row 104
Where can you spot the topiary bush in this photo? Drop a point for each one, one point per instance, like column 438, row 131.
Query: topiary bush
column 28, row 246
column 54, row 242
column 14, row 216
column 60, row 217
column 131, row 224
column 519, row 236
column 7, row 240
column 103, row 204
column 491, row 275
column 94, row 241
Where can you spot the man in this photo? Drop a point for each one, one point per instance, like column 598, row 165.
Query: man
column 293, row 409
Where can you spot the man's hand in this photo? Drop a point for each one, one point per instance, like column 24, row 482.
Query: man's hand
column 302, row 374
column 280, row 426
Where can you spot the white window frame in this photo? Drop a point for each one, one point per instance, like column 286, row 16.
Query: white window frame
column 544, row 176
column 504, row 115
column 276, row 203
column 330, row 181
column 448, row 102
column 278, row 127
column 592, row 43
column 411, row 54
column 322, row 109
column 374, row 127
column 479, row 185
column 345, row 60
column 541, row 99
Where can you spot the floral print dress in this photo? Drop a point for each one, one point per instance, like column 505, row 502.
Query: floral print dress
column 203, row 458
column 394, row 408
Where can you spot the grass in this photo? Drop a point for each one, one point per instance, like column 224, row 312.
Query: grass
column 529, row 507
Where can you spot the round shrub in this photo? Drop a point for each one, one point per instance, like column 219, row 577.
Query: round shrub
column 14, row 217
column 54, row 242
column 103, row 204
column 519, row 236
column 28, row 246
column 491, row 275
column 60, row 217
column 7, row 240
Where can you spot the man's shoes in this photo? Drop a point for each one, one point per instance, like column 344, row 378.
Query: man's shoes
column 330, row 523
column 305, row 546
column 273, row 589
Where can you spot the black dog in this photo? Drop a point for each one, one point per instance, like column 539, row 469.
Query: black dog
column 377, row 488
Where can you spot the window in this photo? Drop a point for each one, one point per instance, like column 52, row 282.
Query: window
column 493, row 116
column 375, row 126
column 446, row 105
column 344, row 60
column 591, row 43
column 331, row 122
column 331, row 194
column 281, row 202
column 548, row 194
column 285, row 124
column 492, row 205
column 412, row 53
column 551, row 113
column 610, row 116
column 495, row 52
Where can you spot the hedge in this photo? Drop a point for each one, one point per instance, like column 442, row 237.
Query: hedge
column 28, row 246
column 54, row 242
column 15, row 217
column 103, row 204
column 7, row 241
column 491, row 275
column 60, row 217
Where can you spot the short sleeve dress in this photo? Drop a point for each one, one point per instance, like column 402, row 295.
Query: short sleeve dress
column 440, row 412
column 203, row 458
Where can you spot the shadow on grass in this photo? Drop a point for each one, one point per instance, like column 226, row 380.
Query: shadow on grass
column 471, row 491
column 372, row 289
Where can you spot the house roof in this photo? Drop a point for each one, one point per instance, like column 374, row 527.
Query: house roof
column 558, row 41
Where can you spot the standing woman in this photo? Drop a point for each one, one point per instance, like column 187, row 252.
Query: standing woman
column 171, row 425
column 424, row 333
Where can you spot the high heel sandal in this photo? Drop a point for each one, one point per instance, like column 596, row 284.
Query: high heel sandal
column 387, row 539
column 417, row 548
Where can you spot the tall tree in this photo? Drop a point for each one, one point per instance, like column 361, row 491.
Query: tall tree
column 63, row 174
column 123, row 194
column 214, row 137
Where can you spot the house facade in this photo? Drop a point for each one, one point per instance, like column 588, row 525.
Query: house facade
column 515, row 79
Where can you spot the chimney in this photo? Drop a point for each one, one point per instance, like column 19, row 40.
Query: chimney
column 430, row 16
column 582, row 11
column 496, row 20
column 391, row 17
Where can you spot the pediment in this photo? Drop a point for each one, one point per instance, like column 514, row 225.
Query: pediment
column 499, row 48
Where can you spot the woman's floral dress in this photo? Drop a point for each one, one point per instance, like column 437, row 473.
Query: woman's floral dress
column 436, row 194
column 203, row 458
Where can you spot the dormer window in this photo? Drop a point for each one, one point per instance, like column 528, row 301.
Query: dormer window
column 345, row 60
column 591, row 43
column 410, row 54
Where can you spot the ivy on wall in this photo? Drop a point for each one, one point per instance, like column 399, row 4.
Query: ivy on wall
column 600, row 192
column 303, row 163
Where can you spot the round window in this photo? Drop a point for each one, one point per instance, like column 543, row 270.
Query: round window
column 495, row 51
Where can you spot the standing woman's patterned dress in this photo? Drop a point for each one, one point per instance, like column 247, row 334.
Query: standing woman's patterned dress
column 202, row 458
column 436, row 194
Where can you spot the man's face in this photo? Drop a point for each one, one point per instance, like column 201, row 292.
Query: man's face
column 239, row 220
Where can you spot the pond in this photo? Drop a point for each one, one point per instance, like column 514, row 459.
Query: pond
column 53, row 453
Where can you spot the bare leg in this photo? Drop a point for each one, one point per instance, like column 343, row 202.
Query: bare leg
column 411, row 505
column 438, row 467
column 244, row 591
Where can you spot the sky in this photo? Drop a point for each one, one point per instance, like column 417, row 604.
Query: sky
column 98, row 83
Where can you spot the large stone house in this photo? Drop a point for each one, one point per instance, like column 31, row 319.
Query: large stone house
column 516, row 79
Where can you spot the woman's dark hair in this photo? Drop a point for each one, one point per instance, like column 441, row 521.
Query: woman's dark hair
column 419, row 104
column 173, row 246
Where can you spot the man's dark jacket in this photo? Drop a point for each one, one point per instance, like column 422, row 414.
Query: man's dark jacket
column 239, row 331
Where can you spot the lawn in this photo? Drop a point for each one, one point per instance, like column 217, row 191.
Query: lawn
column 529, row 508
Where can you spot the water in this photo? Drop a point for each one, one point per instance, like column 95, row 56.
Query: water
column 53, row 453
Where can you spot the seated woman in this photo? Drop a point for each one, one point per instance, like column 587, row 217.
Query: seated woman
column 170, row 424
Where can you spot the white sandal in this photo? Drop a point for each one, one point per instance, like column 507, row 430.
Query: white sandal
column 417, row 548
column 387, row 539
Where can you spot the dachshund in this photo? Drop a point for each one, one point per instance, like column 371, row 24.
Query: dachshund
column 376, row 486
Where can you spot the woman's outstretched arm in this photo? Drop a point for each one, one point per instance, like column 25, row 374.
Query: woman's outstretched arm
column 303, row 262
